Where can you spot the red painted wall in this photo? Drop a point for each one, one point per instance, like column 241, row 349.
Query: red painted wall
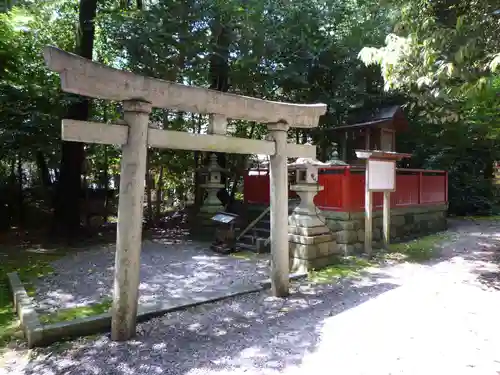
column 344, row 188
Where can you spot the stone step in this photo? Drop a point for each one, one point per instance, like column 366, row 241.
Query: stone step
column 256, row 245
column 262, row 230
column 245, row 246
column 247, row 238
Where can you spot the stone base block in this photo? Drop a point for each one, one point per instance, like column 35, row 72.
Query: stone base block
column 310, row 240
column 211, row 209
column 347, row 236
column 311, row 251
column 309, row 231
column 408, row 222
column 306, row 221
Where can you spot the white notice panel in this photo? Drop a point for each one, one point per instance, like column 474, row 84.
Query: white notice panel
column 381, row 175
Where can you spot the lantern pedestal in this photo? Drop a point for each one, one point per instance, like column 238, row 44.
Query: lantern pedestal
column 311, row 243
column 204, row 225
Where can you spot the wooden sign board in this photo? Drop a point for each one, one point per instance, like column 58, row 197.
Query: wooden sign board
column 224, row 217
column 381, row 175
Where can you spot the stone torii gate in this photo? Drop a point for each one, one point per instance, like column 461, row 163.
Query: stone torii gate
column 139, row 94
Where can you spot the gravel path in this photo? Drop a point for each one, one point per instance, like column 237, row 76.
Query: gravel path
column 440, row 318
column 169, row 271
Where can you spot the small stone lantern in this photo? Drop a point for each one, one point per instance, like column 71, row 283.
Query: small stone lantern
column 213, row 175
column 311, row 241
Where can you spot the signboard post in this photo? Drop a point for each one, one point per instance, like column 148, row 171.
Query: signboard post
column 380, row 176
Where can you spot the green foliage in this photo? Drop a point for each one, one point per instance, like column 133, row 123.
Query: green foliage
column 440, row 59
column 29, row 263
column 443, row 55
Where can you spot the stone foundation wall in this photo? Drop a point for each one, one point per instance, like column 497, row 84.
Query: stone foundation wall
column 406, row 223
column 315, row 250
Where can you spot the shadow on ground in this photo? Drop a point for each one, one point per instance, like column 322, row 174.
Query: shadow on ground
column 250, row 333
column 480, row 246
column 170, row 271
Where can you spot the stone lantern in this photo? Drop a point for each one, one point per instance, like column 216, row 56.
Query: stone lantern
column 312, row 244
column 213, row 175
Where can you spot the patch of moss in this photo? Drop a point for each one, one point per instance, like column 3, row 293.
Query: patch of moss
column 346, row 266
column 28, row 263
column 483, row 218
column 64, row 315
column 420, row 250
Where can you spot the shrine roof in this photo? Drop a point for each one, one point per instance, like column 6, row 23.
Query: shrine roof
column 390, row 115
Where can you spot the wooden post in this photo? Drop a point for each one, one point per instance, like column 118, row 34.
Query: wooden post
column 386, row 223
column 129, row 233
column 280, row 257
column 368, row 215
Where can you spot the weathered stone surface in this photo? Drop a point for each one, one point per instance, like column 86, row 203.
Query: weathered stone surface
column 26, row 311
column 358, row 248
column 303, row 251
column 347, row 237
column 409, row 218
column 359, row 224
column 87, row 78
column 309, row 231
column 335, row 215
column 396, row 231
column 348, row 225
column 306, row 220
column 300, row 265
column 310, row 240
column 361, row 235
column 334, row 225
column 398, row 220
column 345, row 249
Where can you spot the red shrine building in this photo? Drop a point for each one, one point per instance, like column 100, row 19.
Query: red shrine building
column 418, row 206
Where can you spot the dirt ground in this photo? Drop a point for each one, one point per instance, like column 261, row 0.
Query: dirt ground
column 434, row 318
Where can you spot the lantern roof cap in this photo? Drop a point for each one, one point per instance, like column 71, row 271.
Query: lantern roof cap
column 303, row 163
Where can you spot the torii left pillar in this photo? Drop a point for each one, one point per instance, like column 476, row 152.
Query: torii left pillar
column 129, row 227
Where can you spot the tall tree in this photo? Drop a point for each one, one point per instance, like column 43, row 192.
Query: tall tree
column 69, row 187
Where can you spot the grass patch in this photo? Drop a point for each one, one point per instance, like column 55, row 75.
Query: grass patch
column 29, row 263
column 419, row 250
column 64, row 315
column 346, row 266
column 482, row 218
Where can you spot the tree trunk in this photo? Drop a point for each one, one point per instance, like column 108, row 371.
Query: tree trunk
column 105, row 172
column 43, row 170
column 219, row 69
column 105, row 183
column 20, row 195
column 67, row 202
column 159, row 193
column 149, row 217
column 198, row 162
column 11, row 192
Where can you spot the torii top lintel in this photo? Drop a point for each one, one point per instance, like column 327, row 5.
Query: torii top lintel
column 85, row 77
